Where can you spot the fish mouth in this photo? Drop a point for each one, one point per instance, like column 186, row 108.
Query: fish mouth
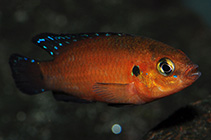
column 192, row 72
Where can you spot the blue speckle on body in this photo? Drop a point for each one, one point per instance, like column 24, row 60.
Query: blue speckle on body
column 175, row 76
column 67, row 37
column 50, row 38
column 97, row 34
column 51, row 53
column 55, row 47
column 146, row 73
column 74, row 40
column 107, row 34
column 132, row 73
column 40, row 40
column 25, row 58
column 85, row 35
column 60, row 44
column 42, row 90
column 32, row 60
column 44, row 47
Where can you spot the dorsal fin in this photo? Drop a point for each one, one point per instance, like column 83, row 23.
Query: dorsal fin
column 53, row 43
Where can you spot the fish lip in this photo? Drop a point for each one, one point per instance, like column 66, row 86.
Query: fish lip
column 192, row 72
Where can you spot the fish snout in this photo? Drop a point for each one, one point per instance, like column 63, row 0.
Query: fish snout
column 192, row 72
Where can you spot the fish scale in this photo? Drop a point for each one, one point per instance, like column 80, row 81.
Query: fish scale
column 115, row 68
column 81, row 63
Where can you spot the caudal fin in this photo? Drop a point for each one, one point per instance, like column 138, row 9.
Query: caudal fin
column 27, row 74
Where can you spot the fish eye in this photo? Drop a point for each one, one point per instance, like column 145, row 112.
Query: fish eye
column 165, row 66
column 136, row 71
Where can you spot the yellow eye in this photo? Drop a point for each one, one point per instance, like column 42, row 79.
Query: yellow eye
column 165, row 66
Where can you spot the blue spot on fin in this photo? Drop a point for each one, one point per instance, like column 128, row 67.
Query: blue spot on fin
column 54, row 44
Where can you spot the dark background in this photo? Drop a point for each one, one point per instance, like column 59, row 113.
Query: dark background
column 183, row 24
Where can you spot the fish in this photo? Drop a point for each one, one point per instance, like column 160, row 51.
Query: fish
column 114, row 68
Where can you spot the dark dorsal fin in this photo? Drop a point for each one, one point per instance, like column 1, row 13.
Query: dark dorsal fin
column 53, row 43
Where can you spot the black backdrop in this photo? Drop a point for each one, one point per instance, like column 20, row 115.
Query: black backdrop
column 41, row 117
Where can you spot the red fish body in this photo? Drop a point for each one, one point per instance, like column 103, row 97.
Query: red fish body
column 106, row 67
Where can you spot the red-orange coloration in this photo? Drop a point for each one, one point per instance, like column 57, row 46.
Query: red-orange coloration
column 111, row 68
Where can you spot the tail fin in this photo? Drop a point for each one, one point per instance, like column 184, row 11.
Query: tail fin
column 27, row 74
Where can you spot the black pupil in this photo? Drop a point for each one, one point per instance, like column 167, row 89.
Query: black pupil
column 136, row 70
column 166, row 68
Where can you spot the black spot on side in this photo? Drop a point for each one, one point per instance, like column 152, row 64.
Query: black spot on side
column 136, row 70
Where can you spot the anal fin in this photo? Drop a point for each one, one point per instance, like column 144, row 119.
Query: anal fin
column 119, row 105
column 61, row 96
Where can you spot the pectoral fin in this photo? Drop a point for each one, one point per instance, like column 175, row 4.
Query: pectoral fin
column 114, row 92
